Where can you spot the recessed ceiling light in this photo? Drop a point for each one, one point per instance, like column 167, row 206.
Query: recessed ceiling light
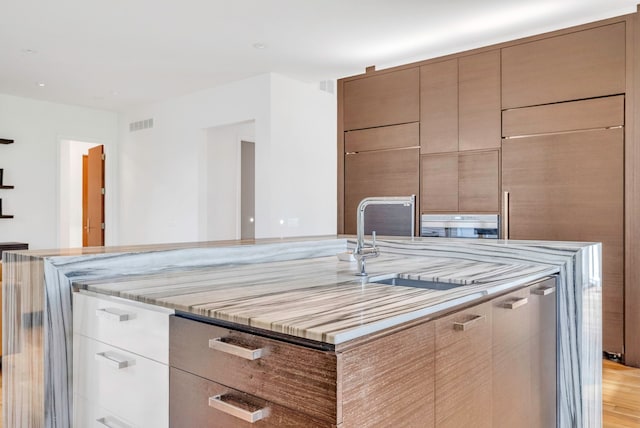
column 41, row 84
column 29, row 51
column 259, row 46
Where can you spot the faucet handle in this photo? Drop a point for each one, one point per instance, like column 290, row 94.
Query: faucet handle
column 373, row 235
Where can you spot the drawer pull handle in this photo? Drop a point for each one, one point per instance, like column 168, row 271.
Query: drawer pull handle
column 217, row 403
column 516, row 303
column 112, row 422
column 112, row 360
column 544, row 291
column 112, row 314
column 464, row 326
column 238, row 351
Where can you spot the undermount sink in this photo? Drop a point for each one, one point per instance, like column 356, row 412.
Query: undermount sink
column 416, row 283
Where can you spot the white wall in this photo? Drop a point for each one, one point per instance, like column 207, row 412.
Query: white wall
column 31, row 164
column 164, row 170
column 304, row 149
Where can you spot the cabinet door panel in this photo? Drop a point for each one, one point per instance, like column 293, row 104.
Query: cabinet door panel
column 439, row 183
column 479, row 181
column 381, row 173
column 569, row 187
column 511, row 359
column 463, row 369
column 479, row 92
column 386, row 137
column 382, row 99
column 439, row 107
column 395, row 387
column 542, row 298
column 584, row 64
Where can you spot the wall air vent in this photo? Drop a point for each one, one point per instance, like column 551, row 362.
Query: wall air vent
column 140, row 125
column 327, row 86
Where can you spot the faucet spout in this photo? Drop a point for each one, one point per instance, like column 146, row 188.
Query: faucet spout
column 362, row 251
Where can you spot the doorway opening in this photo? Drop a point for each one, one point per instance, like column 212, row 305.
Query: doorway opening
column 81, row 204
column 228, row 183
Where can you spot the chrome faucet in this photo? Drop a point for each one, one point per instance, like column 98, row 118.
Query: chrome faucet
column 362, row 251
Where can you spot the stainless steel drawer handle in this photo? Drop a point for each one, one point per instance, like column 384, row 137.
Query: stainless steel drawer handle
column 113, row 360
column 467, row 325
column 544, row 291
column 238, row 351
column 217, row 403
column 113, row 314
column 517, row 303
column 112, row 422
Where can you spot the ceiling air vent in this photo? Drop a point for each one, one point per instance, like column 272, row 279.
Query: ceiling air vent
column 140, row 125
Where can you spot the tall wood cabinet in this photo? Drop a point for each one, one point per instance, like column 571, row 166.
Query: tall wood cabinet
column 569, row 186
column 466, row 103
column 460, row 120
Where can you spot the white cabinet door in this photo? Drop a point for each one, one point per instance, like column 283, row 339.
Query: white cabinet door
column 137, row 327
column 128, row 385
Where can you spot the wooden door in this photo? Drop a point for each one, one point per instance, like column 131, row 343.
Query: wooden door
column 569, row 187
column 95, row 197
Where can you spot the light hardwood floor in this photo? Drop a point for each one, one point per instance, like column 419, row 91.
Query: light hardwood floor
column 620, row 396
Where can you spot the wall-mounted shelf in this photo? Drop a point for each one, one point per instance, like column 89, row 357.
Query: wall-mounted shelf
column 4, row 186
column 3, row 215
column 5, row 141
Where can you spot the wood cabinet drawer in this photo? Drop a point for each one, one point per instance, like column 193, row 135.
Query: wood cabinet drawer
column 202, row 403
column 290, row 375
column 126, row 384
column 136, row 327
column 463, row 368
column 87, row 414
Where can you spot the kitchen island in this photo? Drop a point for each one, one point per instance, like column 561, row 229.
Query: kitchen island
column 295, row 289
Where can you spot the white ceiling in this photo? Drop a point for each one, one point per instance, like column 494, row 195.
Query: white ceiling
column 115, row 54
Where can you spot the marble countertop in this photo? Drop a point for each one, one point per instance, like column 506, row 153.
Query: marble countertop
column 302, row 289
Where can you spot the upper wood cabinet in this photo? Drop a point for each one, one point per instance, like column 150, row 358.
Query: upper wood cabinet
column 439, row 107
column 479, row 99
column 584, row 64
column 460, row 103
column 382, row 99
